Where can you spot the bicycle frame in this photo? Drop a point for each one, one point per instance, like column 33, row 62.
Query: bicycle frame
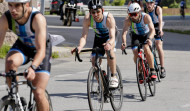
column 143, row 60
column 97, row 65
column 13, row 90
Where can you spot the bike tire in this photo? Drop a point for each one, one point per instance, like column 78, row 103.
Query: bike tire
column 156, row 64
column 6, row 104
column 95, row 91
column 116, row 99
column 49, row 101
column 142, row 84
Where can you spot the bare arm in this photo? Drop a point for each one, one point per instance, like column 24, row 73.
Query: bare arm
column 39, row 26
column 127, row 24
column 148, row 21
column 3, row 28
column 86, row 24
column 160, row 18
column 111, row 25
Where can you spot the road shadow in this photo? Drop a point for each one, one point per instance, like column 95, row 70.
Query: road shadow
column 75, row 80
column 71, row 95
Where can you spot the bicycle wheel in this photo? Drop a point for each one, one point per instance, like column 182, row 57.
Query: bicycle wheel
column 152, row 87
column 49, row 101
column 7, row 104
column 141, row 79
column 95, row 91
column 156, row 64
column 116, row 95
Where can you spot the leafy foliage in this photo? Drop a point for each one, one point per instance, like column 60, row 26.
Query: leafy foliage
column 4, row 50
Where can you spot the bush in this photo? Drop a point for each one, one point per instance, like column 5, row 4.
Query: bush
column 55, row 55
column 118, row 3
column 174, row 5
column 4, row 50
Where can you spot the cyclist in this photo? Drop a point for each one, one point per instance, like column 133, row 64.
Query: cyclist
column 33, row 42
column 155, row 13
column 142, row 29
column 182, row 8
column 103, row 24
column 140, row 2
column 63, row 8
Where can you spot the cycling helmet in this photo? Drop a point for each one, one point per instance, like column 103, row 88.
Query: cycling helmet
column 150, row 0
column 134, row 8
column 94, row 4
column 18, row 1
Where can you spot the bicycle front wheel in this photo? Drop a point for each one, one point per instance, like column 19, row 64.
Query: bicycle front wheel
column 116, row 95
column 7, row 104
column 95, row 91
column 156, row 64
column 141, row 79
column 49, row 101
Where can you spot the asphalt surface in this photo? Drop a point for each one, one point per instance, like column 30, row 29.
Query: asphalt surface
column 67, row 85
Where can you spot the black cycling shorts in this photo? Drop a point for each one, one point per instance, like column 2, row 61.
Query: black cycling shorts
column 98, row 43
column 156, row 36
column 140, row 38
column 29, row 53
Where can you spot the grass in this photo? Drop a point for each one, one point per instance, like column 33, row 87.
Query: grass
column 4, row 50
column 178, row 31
column 55, row 55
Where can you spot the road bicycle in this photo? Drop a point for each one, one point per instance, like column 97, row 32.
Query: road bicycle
column 13, row 101
column 157, row 65
column 98, row 89
column 143, row 72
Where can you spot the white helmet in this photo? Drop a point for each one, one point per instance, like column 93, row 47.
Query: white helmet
column 18, row 1
column 134, row 8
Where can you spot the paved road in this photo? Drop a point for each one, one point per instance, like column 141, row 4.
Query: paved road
column 67, row 85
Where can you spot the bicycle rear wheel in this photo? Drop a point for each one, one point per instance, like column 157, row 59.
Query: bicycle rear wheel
column 6, row 104
column 116, row 95
column 141, row 79
column 95, row 91
column 49, row 101
column 152, row 87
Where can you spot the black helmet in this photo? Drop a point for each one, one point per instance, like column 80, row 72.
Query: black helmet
column 94, row 4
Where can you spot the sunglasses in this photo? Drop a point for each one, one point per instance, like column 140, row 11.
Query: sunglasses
column 133, row 14
column 95, row 11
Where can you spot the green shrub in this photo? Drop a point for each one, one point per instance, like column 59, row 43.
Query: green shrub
column 4, row 50
column 55, row 55
column 107, row 3
column 118, row 3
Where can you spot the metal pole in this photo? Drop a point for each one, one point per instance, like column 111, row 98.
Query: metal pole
column 42, row 6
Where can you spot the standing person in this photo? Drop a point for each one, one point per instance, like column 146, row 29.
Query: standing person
column 142, row 29
column 140, row 2
column 33, row 42
column 182, row 8
column 103, row 24
column 155, row 13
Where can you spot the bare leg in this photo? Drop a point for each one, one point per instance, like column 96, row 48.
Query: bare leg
column 13, row 60
column 40, row 82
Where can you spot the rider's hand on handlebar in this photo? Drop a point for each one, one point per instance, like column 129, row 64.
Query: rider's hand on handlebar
column 74, row 50
column 149, row 42
column 107, row 46
column 123, row 46
column 31, row 74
